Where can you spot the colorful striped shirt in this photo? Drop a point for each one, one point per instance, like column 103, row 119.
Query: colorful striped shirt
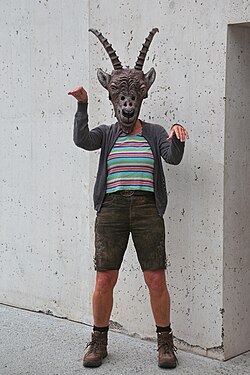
column 130, row 165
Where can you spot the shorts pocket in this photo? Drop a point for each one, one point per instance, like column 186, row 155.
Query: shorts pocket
column 108, row 200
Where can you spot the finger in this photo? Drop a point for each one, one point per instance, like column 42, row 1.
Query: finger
column 76, row 96
column 76, row 90
column 177, row 131
column 184, row 135
column 74, row 93
column 181, row 133
column 83, row 92
column 170, row 135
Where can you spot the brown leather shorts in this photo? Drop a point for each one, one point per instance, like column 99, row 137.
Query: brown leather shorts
column 123, row 213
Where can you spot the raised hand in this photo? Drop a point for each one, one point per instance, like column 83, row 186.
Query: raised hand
column 79, row 94
column 180, row 132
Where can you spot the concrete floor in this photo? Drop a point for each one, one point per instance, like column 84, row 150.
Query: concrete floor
column 39, row 344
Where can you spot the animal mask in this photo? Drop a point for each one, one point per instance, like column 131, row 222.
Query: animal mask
column 127, row 87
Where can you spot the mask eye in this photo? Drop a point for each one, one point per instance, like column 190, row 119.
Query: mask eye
column 143, row 88
column 113, row 87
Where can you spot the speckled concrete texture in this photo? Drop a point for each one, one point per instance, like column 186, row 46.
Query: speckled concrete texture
column 39, row 344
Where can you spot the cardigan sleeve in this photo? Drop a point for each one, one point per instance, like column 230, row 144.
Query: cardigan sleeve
column 83, row 137
column 171, row 150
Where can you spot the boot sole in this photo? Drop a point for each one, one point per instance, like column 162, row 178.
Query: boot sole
column 93, row 363
column 167, row 365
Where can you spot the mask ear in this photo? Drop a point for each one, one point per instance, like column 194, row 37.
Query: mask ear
column 103, row 78
column 150, row 77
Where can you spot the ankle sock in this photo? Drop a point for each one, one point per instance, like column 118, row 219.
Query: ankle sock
column 163, row 329
column 100, row 329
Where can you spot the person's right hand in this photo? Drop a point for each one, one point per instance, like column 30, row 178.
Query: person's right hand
column 80, row 94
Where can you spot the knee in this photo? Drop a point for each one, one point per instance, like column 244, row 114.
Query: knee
column 105, row 281
column 156, row 281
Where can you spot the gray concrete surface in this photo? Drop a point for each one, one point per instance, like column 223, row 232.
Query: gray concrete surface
column 39, row 344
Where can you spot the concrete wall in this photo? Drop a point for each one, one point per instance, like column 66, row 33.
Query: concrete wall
column 44, row 179
column 46, row 205
column 237, row 202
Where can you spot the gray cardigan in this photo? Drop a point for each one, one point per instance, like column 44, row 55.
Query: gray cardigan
column 105, row 136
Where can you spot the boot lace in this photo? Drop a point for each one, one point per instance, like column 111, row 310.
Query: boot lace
column 168, row 347
column 94, row 346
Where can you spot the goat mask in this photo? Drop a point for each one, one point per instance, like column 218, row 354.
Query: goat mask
column 127, row 87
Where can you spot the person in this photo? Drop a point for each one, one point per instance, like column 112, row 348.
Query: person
column 129, row 197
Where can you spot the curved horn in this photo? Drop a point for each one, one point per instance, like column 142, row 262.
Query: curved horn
column 108, row 47
column 141, row 58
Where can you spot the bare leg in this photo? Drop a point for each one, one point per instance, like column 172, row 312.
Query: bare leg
column 103, row 297
column 159, row 296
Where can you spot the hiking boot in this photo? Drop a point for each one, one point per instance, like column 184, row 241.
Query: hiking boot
column 97, row 349
column 166, row 349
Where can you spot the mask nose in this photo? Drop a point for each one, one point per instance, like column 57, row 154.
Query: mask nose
column 128, row 103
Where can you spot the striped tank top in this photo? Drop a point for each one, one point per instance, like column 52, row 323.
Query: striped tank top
column 130, row 165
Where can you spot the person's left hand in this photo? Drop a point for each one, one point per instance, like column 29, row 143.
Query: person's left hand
column 180, row 132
